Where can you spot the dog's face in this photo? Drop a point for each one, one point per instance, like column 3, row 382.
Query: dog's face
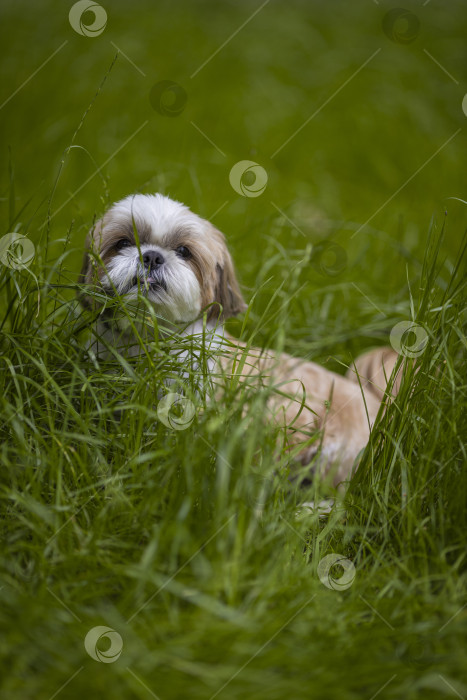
column 152, row 245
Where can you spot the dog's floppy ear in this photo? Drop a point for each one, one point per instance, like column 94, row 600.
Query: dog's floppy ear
column 227, row 290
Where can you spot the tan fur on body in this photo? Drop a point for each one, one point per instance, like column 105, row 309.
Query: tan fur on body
column 140, row 246
column 334, row 405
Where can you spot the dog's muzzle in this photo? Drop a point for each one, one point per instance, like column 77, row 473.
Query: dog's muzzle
column 153, row 270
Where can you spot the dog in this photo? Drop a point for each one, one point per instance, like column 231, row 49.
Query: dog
column 155, row 248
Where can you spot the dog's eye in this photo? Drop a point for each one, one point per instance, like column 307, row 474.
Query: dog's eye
column 122, row 243
column 183, row 251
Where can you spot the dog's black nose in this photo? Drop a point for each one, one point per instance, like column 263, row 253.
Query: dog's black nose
column 152, row 259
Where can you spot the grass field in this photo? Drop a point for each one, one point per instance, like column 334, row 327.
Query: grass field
column 191, row 545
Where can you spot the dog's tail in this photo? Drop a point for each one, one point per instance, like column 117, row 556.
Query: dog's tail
column 373, row 370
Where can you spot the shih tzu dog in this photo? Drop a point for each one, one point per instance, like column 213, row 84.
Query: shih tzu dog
column 153, row 248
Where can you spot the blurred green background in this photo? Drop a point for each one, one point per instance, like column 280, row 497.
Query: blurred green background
column 383, row 108
column 382, row 154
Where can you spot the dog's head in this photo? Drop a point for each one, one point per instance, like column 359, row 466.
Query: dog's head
column 152, row 245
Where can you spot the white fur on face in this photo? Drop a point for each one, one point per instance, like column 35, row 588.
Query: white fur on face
column 179, row 299
column 176, row 291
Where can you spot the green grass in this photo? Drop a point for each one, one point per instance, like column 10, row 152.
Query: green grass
column 191, row 544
